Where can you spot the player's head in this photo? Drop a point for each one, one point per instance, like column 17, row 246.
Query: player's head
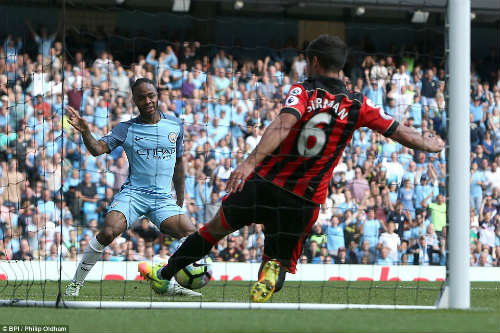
column 326, row 53
column 145, row 96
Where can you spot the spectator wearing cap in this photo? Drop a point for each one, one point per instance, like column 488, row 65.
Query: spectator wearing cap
column 373, row 90
column 253, row 138
column 423, row 191
column 400, row 220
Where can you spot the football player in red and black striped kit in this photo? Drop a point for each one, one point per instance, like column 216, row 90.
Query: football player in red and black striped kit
column 284, row 180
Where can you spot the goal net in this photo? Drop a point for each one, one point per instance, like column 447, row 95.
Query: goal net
column 380, row 237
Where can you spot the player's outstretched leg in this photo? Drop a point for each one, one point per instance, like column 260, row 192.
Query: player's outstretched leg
column 269, row 276
column 115, row 224
column 195, row 247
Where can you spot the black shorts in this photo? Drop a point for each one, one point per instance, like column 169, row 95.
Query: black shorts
column 287, row 218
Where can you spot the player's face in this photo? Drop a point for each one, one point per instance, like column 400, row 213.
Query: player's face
column 146, row 99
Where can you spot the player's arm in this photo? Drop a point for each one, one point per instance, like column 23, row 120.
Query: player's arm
column 95, row 147
column 410, row 138
column 178, row 180
column 271, row 139
column 374, row 118
column 273, row 136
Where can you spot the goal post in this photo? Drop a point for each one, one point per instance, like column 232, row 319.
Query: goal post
column 459, row 154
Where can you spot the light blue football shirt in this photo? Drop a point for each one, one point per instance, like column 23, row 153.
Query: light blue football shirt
column 151, row 150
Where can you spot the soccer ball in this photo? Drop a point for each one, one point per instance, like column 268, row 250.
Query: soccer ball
column 195, row 276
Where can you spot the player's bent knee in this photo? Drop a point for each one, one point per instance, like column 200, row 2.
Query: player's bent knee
column 216, row 228
column 115, row 224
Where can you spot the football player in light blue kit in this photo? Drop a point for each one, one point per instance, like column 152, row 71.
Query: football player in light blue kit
column 153, row 143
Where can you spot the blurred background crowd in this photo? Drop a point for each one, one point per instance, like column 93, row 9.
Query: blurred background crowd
column 386, row 204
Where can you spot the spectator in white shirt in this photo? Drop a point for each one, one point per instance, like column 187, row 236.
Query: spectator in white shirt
column 391, row 241
column 401, row 78
column 395, row 170
column 492, row 178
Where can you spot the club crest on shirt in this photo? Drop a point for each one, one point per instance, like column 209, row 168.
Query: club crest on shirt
column 291, row 101
column 172, row 137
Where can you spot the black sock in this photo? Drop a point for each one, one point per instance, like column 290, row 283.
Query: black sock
column 193, row 249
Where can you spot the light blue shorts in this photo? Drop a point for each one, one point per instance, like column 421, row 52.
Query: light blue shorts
column 134, row 204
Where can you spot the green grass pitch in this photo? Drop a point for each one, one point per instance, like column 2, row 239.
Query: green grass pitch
column 484, row 316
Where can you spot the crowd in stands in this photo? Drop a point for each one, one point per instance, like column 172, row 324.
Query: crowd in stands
column 386, row 203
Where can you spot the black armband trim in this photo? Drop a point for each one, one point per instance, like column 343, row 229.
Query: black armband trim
column 290, row 110
column 390, row 131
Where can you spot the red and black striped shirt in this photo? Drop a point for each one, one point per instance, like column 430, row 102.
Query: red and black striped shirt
column 327, row 117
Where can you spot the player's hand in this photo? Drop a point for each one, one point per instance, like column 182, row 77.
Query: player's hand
column 434, row 142
column 76, row 120
column 238, row 177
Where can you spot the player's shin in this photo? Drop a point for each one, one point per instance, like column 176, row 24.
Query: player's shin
column 195, row 247
column 91, row 255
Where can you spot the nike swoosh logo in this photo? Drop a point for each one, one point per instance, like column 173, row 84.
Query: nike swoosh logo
column 137, row 138
column 198, row 265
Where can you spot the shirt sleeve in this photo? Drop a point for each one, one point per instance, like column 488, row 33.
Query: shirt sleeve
column 296, row 101
column 180, row 141
column 376, row 119
column 117, row 136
